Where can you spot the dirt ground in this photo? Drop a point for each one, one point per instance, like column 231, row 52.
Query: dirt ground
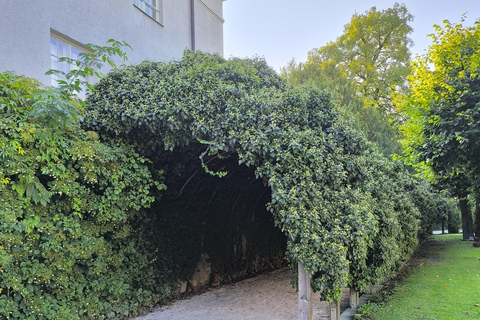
column 265, row 297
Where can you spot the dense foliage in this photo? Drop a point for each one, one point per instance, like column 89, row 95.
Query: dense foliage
column 367, row 66
column 79, row 241
column 325, row 179
column 329, row 77
column 442, row 112
column 67, row 250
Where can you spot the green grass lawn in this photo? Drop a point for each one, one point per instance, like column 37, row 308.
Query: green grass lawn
column 441, row 281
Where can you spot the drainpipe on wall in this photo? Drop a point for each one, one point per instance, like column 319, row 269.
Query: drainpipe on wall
column 192, row 22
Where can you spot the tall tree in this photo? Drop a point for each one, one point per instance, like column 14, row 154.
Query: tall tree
column 373, row 51
column 443, row 113
column 364, row 70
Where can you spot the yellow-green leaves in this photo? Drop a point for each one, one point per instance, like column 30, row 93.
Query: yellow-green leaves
column 441, row 130
column 374, row 53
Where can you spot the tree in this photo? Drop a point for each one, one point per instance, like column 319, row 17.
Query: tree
column 443, row 113
column 365, row 71
column 373, row 52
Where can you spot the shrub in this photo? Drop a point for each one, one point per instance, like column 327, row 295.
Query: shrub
column 67, row 250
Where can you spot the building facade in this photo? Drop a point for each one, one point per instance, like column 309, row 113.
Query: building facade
column 35, row 33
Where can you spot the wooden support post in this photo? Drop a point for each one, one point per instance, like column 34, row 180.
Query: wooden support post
column 369, row 289
column 305, row 303
column 335, row 310
column 353, row 299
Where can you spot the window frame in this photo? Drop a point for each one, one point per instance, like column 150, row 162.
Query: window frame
column 152, row 8
column 69, row 44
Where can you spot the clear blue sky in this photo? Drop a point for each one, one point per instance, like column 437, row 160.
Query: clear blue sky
column 280, row 30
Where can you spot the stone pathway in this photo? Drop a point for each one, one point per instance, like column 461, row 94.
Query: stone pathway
column 265, row 297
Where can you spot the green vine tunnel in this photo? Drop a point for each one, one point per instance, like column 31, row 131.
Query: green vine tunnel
column 312, row 161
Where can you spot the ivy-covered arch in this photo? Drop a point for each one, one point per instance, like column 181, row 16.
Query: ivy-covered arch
column 315, row 163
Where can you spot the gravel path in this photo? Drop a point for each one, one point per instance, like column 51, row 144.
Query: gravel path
column 265, row 297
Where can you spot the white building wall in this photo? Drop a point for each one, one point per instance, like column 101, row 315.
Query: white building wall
column 25, row 28
column 208, row 25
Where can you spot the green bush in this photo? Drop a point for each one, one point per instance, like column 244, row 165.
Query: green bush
column 67, row 248
column 397, row 221
column 425, row 200
column 79, row 241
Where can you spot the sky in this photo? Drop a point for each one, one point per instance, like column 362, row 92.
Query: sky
column 280, row 30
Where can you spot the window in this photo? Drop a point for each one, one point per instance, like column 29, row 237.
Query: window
column 60, row 47
column 153, row 8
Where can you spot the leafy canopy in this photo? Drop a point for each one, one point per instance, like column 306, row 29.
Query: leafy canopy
column 442, row 127
column 365, row 71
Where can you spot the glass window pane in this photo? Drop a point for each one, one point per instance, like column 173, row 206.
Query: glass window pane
column 63, row 66
column 153, row 14
column 149, row 4
column 74, row 55
column 62, row 49
column 148, row 10
column 53, row 46
column 75, row 52
column 54, row 62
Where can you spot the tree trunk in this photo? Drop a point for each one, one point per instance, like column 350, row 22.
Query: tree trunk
column 477, row 220
column 467, row 221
